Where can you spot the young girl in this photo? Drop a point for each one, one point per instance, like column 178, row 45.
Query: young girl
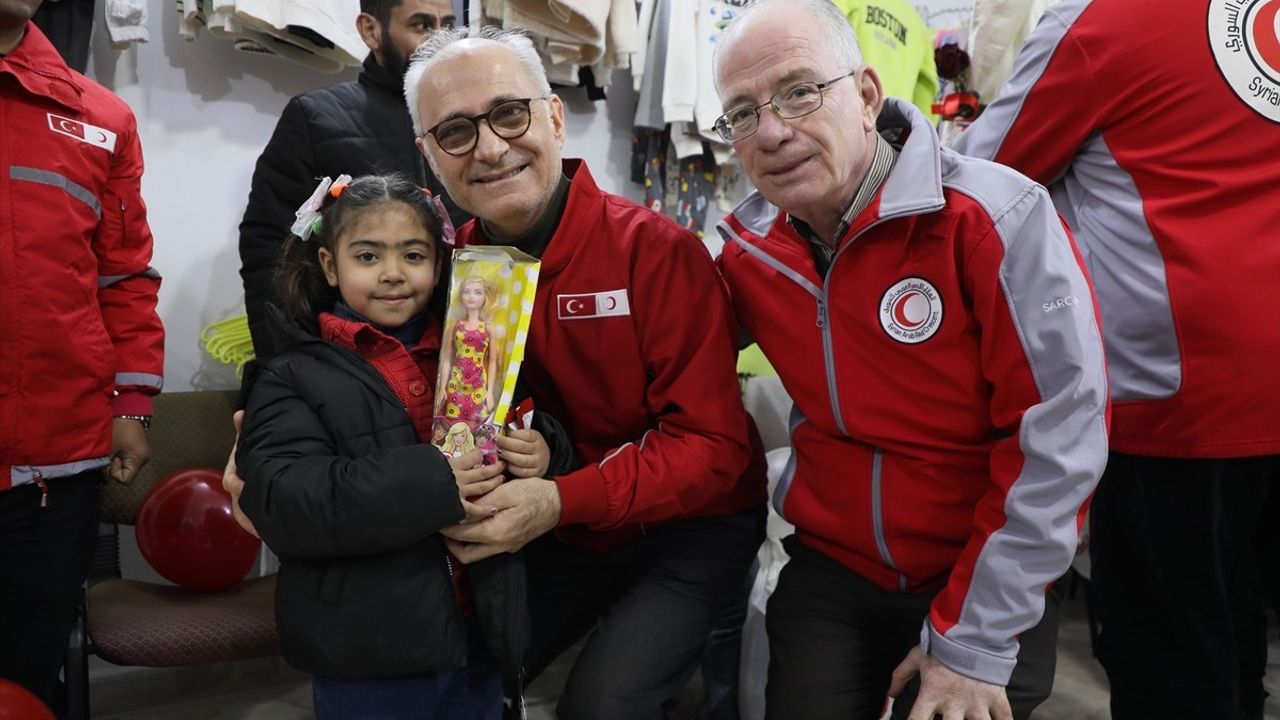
column 469, row 359
column 339, row 483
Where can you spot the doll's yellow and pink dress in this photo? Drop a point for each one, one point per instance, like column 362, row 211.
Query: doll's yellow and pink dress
column 468, row 380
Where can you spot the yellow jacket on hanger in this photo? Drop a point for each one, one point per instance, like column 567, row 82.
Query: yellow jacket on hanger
column 895, row 41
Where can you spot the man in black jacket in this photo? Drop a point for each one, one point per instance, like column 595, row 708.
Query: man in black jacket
column 356, row 127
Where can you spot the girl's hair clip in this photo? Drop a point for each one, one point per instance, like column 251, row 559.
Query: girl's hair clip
column 447, row 232
column 308, row 216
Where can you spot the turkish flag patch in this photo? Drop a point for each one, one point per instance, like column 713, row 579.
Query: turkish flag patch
column 592, row 305
column 91, row 134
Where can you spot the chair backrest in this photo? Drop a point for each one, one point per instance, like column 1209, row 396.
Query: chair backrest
column 188, row 430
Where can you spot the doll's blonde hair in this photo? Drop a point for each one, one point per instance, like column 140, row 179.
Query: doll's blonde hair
column 486, row 311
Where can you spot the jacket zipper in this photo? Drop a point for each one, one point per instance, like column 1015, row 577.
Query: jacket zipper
column 828, row 349
column 38, row 479
column 829, row 360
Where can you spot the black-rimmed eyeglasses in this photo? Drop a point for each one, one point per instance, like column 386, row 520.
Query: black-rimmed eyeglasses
column 789, row 103
column 508, row 120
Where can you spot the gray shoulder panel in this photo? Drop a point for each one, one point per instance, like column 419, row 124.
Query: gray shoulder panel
column 985, row 137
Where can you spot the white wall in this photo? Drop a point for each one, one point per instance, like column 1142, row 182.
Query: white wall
column 204, row 112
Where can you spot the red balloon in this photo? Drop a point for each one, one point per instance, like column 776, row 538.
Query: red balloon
column 187, row 532
column 18, row 703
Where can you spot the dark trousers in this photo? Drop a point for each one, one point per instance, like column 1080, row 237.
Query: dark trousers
column 44, row 557
column 1167, row 538
column 648, row 606
column 835, row 639
column 471, row 693
column 722, row 656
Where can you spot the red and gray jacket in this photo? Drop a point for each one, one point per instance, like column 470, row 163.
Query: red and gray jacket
column 950, row 418
column 81, row 338
column 631, row 348
column 1162, row 122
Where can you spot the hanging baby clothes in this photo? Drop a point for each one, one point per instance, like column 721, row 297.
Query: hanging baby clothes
column 316, row 33
column 697, row 185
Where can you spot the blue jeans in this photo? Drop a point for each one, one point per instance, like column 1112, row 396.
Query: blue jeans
column 470, row 693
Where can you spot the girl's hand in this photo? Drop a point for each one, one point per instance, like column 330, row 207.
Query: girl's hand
column 525, row 452
column 474, row 479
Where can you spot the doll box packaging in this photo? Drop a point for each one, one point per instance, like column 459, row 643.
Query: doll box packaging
column 491, row 292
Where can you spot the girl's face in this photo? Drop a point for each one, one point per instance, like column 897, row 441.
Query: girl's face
column 384, row 264
column 473, row 296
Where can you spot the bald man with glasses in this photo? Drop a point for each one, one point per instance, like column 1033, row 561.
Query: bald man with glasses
column 631, row 348
column 931, row 318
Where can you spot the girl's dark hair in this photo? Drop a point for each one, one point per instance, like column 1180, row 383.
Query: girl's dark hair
column 304, row 291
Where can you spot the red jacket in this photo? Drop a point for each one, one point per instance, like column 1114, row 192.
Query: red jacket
column 950, row 394
column 1162, row 122
column 631, row 349
column 77, row 294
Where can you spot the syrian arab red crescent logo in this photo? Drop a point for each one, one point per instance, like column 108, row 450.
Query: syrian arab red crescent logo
column 1244, row 36
column 1266, row 42
column 911, row 310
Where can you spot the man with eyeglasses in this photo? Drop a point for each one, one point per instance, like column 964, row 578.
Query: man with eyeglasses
column 632, row 349
column 931, row 318
column 355, row 128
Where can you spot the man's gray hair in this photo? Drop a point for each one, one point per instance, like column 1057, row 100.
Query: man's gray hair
column 429, row 50
column 835, row 27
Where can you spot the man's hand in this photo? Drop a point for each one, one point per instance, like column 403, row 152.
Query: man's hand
column 526, row 508
column 526, row 453
column 129, row 450
column 948, row 693
column 232, row 482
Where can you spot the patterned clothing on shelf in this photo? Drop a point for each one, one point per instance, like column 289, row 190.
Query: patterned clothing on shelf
column 468, row 380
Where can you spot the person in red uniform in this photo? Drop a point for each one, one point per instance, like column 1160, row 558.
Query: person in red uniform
column 631, row 347
column 1162, row 123
column 82, row 350
column 932, row 319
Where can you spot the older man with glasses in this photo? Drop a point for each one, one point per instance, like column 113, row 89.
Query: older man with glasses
column 930, row 315
column 631, row 348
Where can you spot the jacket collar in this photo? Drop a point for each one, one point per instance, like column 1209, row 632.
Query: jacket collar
column 376, row 76
column 913, row 187
column 345, row 332
column 367, row 340
column 38, row 67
